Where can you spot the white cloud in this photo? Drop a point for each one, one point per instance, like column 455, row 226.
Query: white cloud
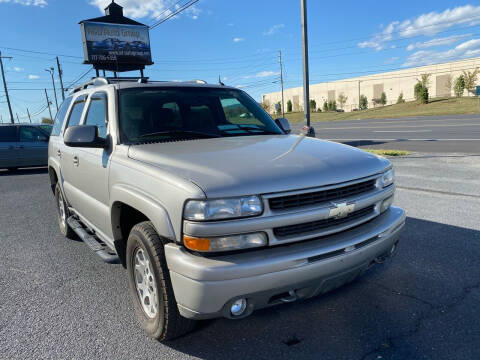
column 17, row 69
column 240, row 86
column 146, row 8
column 391, row 60
column 437, row 42
column 230, row 24
column 33, row 77
column 467, row 49
column 238, row 39
column 273, row 30
column 40, row 3
column 262, row 74
column 426, row 24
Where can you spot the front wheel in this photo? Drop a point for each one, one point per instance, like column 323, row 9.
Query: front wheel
column 63, row 213
column 150, row 285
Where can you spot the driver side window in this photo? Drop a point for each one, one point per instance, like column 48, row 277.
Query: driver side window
column 30, row 134
column 97, row 113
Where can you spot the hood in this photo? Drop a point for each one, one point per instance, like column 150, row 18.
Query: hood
column 248, row 165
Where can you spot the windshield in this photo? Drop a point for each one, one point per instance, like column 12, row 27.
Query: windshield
column 161, row 114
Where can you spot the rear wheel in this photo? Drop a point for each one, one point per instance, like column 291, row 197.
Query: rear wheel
column 150, row 285
column 62, row 213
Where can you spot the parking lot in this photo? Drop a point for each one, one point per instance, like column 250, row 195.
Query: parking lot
column 59, row 300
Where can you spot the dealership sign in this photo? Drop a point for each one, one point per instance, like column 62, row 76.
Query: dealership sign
column 116, row 47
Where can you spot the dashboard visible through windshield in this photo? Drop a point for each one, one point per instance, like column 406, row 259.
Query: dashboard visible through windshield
column 164, row 114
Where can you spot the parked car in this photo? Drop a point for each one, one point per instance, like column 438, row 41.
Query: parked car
column 46, row 127
column 22, row 146
column 211, row 214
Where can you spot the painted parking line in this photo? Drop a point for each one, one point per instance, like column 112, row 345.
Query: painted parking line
column 400, row 139
column 393, row 126
column 401, row 131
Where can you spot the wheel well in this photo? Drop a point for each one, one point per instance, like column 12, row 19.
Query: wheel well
column 124, row 218
column 53, row 178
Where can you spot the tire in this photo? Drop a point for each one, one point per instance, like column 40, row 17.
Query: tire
column 12, row 169
column 62, row 219
column 164, row 323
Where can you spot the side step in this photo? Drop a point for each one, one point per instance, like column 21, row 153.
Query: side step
column 93, row 243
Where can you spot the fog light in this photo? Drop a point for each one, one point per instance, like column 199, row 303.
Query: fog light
column 238, row 307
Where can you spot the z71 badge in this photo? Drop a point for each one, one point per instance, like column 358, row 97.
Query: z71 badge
column 341, row 210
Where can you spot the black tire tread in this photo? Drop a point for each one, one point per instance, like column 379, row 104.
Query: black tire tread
column 175, row 324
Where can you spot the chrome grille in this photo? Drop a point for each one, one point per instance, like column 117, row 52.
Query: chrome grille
column 318, row 197
column 298, row 229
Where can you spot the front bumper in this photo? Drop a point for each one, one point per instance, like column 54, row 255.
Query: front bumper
column 206, row 287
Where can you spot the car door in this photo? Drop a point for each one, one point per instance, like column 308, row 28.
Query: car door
column 56, row 139
column 32, row 146
column 68, row 155
column 8, row 146
column 91, row 171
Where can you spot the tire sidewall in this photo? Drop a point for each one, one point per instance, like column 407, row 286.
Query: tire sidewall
column 153, row 326
column 63, row 227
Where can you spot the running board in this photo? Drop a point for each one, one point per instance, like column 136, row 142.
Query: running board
column 93, row 243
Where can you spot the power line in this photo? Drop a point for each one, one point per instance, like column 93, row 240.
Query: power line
column 179, row 10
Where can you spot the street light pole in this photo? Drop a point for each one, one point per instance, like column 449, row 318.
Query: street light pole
column 60, row 75
column 52, row 71
column 306, row 84
column 5, row 87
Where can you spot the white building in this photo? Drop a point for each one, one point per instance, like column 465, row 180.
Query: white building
column 442, row 79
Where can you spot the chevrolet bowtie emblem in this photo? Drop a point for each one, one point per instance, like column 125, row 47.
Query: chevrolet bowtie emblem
column 341, row 209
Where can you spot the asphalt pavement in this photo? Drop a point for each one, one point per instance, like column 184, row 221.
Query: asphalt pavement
column 440, row 134
column 58, row 300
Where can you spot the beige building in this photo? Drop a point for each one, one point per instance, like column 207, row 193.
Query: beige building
column 392, row 83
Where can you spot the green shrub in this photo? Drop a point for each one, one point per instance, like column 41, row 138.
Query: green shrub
column 417, row 89
column 325, row 106
column 459, row 86
column 313, row 105
column 423, row 97
column 289, row 106
column 400, row 99
column 363, row 102
column 383, row 98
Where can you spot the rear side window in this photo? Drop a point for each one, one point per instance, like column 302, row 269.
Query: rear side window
column 60, row 118
column 8, row 133
column 30, row 134
column 97, row 113
column 76, row 113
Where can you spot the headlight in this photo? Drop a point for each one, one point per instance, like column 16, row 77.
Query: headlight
column 387, row 178
column 225, row 243
column 202, row 210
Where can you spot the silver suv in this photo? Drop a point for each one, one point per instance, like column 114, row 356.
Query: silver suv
column 214, row 209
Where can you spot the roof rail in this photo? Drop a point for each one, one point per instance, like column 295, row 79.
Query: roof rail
column 100, row 81
column 196, row 81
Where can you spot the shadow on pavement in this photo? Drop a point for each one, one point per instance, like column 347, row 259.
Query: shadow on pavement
column 396, row 309
column 26, row 171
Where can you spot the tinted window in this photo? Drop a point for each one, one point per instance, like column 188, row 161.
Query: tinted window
column 60, row 118
column 160, row 114
column 30, row 134
column 97, row 113
column 76, row 113
column 8, row 133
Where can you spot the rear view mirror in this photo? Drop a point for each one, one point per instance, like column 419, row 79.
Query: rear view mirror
column 284, row 125
column 84, row 136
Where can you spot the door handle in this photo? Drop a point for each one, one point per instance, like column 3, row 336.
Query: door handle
column 75, row 160
column 59, row 153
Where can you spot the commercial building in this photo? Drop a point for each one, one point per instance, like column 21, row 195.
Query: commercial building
column 441, row 80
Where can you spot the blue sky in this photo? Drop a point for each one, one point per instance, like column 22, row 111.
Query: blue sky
column 238, row 40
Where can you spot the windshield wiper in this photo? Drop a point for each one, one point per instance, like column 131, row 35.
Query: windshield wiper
column 179, row 132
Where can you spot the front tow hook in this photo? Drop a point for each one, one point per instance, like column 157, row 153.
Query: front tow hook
column 293, row 297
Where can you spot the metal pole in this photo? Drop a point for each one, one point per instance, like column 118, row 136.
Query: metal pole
column 18, row 120
column 48, row 104
column 52, row 70
column 359, row 95
column 306, row 85
column 281, row 81
column 60, row 75
column 29, row 118
column 6, row 89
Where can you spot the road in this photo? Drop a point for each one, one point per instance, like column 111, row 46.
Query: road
column 440, row 134
column 58, row 300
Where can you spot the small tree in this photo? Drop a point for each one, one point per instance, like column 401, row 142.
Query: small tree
column 278, row 107
column 325, row 106
column 313, row 105
column 47, row 120
column 289, row 106
column 363, row 102
column 383, row 98
column 342, row 100
column 424, row 95
column 425, row 80
column 400, row 99
column 334, row 105
column 417, row 89
column 459, row 86
column 470, row 79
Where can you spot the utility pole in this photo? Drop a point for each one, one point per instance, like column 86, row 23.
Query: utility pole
column 52, row 71
column 60, row 75
column 359, row 95
column 18, row 120
column 29, row 118
column 281, row 80
column 48, row 104
column 5, row 87
column 306, row 84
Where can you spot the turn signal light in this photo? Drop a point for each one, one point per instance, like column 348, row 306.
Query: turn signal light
column 196, row 244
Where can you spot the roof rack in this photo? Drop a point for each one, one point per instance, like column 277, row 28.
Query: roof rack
column 100, row 81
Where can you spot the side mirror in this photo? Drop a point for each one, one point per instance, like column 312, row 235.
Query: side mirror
column 284, row 125
column 84, row 136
